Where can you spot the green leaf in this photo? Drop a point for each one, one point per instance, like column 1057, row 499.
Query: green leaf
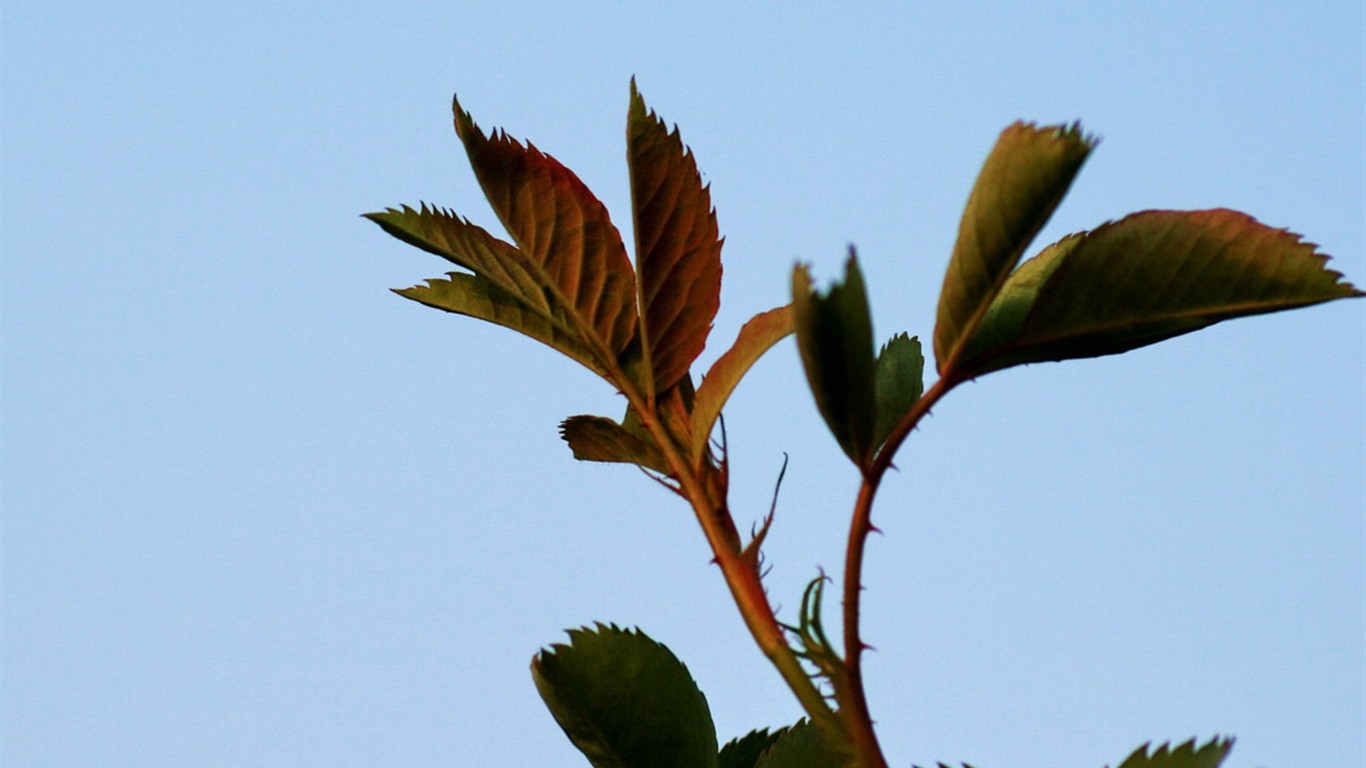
column 508, row 290
column 626, row 701
column 745, row 752
column 900, row 371
column 835, row 337
column 678, row 248
column 595, row 438
column 803, row 746
column 1145, row 278
column 564, row 232
column 471, row 296
column 1211, row 755
column 468, row 246
column 1023, row 180
column 755, row 338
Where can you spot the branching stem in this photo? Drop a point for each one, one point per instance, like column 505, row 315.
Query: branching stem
column 854, row 703
column 740, row 570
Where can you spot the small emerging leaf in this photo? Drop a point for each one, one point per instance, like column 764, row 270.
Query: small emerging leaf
column 626, row 701
column 678, row 248
column 755, row 338
column 1022, row 181
column 595, row 438
column 835, row 337
column 900, row 382
column 1211, row 755
column 1145, row 278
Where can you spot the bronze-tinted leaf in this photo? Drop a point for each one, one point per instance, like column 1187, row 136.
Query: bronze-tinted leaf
column 595, row 438
column 678, row 249
column 564, row 232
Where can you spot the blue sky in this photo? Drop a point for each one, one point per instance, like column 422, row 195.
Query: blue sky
column 259, row 511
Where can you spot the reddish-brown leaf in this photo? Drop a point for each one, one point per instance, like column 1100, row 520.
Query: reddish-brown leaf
column 561, row 228
column 678, row 249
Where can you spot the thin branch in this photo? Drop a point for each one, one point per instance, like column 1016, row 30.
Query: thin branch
column 854, row 705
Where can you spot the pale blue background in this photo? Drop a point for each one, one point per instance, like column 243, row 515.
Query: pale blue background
column 260, row 512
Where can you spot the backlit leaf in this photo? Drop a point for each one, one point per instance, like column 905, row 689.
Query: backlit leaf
column 755, row 338
column 1211, row 755
column 1022, row 181
column 458, row 241
column 835, row 337
column 595, row 438
column 505, row 282
column 1148, row 277
column 678, row 249
column 626, row 701
column 474, row 297
column 570, row 244
column 899, row 382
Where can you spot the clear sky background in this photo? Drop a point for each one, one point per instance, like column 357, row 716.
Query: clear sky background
column 259, row 511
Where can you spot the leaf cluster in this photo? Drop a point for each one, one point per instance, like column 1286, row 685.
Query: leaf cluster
column 567, row 281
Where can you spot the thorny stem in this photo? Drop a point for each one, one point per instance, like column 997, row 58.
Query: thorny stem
column 854, row 706
column 739, row 568
column 742, row 576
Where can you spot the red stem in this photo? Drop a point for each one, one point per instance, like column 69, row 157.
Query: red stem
column 854, row 704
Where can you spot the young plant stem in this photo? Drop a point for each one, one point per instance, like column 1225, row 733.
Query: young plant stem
column 739, row 567
column 743, row 578
column 854, row 703
column 858, row 722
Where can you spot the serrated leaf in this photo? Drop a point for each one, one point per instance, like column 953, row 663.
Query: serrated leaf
column 595, row 438
column 835, row 337
column 471, row 296
column 1145, row 278
column 1022, row 181
column 626, row 701
column 804, row 745
column 504, row 288
column 569, row 242
column 468, row 246
column 900, row 370
column 1211, row 755
column 678, row 247
column 755, row 338
column 745, row 751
